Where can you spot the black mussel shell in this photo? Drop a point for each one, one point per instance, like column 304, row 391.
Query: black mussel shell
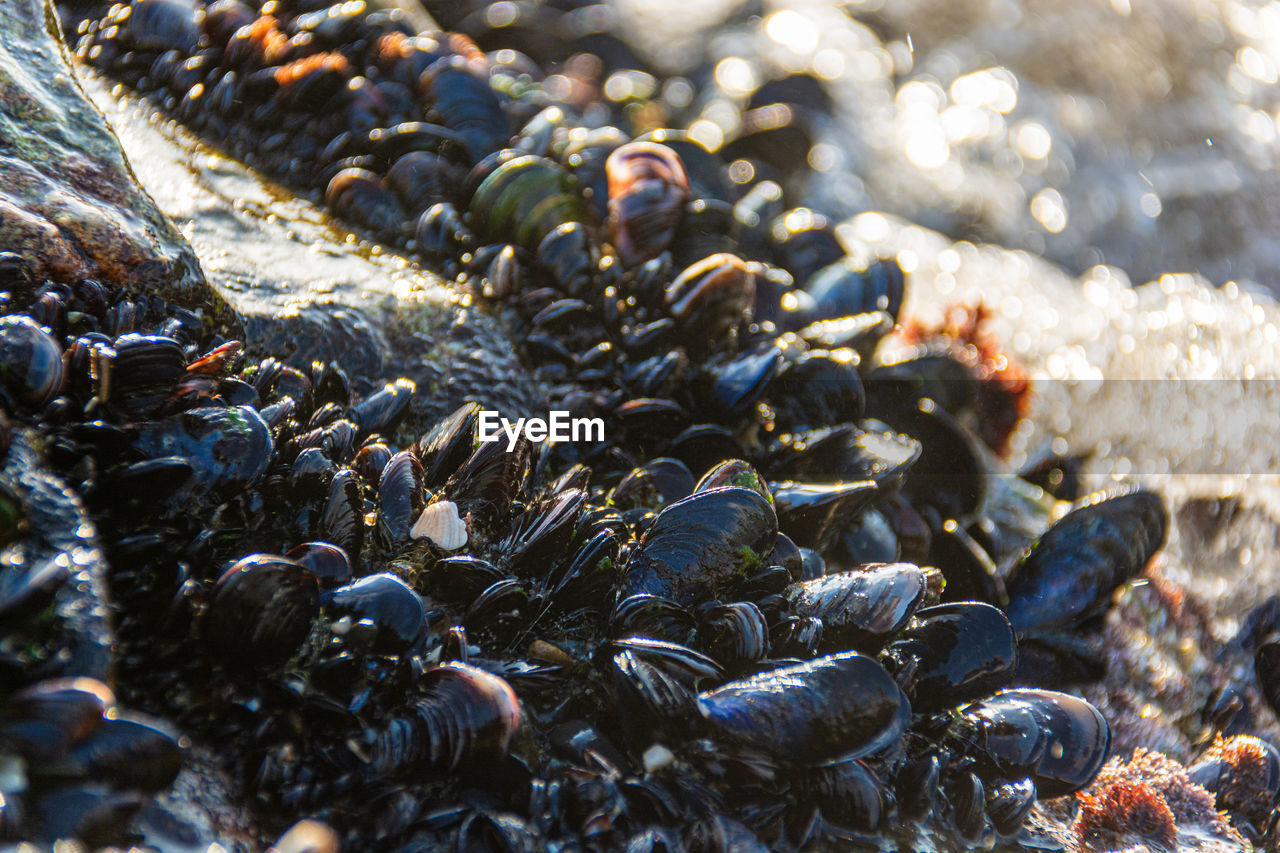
column 710, row 299
column 849, row 794
column 31, row 371
column 261, row 610
column 389, row 603
column 327, row 562
column 544, row 532
column 820, row 388
column 1058, row 741
column 845, row 705
column 845, row 288
column 648, row 615
column 862, row 608
column 383, row 410
column 653, row 485
column 401, row 498
column 734, row 473
column 465, row 716
column 917, row 786
column 467, row 105
column 525, row 199
column 648, row 190
column 954, row 653
column 736, row 386
column 460, row 577
column 1070, row 573
column 813, row 514
column 734, row 634
column 229, row 448
column 971, row 575
column 448, row 444
column 1008, row 805
column 128, row 751
column 871, row 539
column 486, row 483
column 702, row 545
column 44, row 720
column 950, row 474
column 342, row 520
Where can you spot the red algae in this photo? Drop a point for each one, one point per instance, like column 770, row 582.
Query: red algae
column 1121, row 810
column 1241, row 790
column 1147, row 800
column 1004, row 389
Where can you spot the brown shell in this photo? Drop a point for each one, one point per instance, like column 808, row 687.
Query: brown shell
column 710, row 298
column 648, row 190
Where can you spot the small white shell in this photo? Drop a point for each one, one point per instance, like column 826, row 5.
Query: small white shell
column 441, row 524
column 657, row 757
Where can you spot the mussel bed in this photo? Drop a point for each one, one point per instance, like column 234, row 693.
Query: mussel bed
column 769, row 611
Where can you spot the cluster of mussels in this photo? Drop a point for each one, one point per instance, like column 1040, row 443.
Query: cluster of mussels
column 460, row 643
column 769, row 611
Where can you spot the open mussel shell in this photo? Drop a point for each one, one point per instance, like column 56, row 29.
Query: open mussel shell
column 954, row 653
column 1058, row 741
column 1071, row 571
column 842, row 706
column 703, row 544
column 261, row 610
column 864, row 607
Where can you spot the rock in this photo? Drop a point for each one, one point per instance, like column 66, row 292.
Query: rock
column 69, row 199
column 305, row 290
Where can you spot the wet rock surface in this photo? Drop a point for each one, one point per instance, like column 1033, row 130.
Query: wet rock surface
column 304, row 289
column 69, row 198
